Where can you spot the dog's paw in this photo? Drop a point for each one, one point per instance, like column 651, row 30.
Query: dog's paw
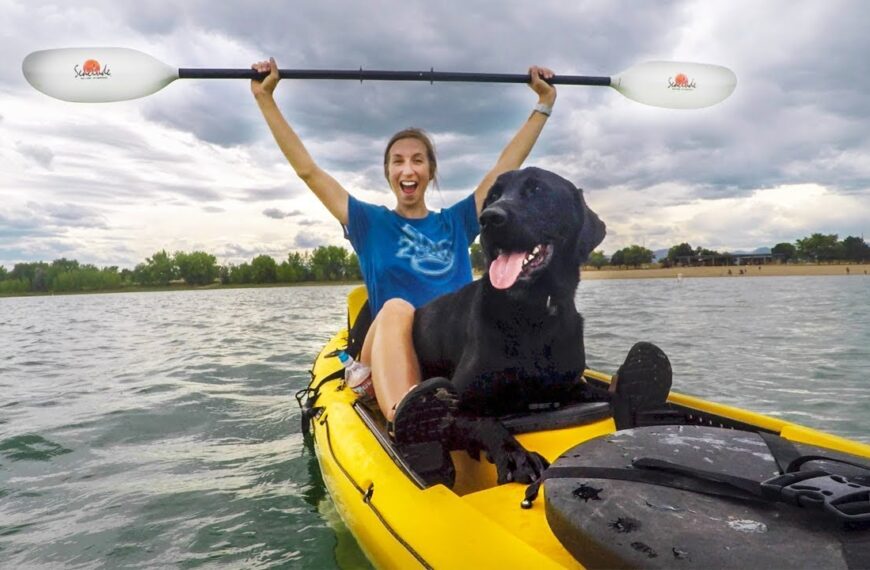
column 517, row 465
column 512, row 461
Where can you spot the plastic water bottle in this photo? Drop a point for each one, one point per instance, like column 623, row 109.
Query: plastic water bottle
column 357, row 376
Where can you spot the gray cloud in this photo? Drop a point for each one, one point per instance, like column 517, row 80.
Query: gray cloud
column 17, row 227
column 71, row 215
column 123, row 186
column 307, row 223
column 308, row 240
column 270, row 194
column 40, row 232
column 231, row 250
column 155, row 17
column 236, row 253
column 277, row 214
column 42, row 155
column 115, row 136
column 48, row 220
column 39, row 249
column 198, row 114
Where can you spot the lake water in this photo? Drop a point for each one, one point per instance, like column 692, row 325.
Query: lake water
column 160, row 429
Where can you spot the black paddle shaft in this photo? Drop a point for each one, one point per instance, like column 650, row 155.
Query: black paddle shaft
column 375, row 75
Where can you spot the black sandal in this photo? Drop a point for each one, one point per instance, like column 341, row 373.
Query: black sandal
column 641, row 383
column 425, row 413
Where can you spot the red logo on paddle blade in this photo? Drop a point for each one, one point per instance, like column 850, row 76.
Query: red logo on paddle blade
column 91, row 69
column 91, row 66
column 681, row 82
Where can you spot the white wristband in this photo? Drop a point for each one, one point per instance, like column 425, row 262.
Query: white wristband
column 544, row 109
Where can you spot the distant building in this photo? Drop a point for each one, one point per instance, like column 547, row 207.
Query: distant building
column 729, row 259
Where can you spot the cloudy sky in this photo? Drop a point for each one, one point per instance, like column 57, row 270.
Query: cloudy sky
column 193, row 166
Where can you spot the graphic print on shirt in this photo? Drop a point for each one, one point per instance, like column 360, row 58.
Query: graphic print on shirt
column 427, row 257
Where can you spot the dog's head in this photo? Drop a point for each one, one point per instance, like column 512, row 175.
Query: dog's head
column 536, row 231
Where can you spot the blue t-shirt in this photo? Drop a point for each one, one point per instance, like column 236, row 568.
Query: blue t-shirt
column 413, row 259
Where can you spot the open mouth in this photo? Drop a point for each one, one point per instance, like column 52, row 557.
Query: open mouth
column 509, row 267
column 408, row 187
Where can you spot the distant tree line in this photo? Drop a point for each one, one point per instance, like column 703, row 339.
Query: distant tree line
column 817, row 248
column 59, row 275
column 325, row 263
column 825, row 248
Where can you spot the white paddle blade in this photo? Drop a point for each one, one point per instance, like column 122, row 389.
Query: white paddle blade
column 676, row 85
column 96, row 75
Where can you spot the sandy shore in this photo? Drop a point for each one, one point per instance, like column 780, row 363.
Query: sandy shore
column 855, row 270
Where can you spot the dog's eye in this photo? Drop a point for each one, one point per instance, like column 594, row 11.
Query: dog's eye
column 529, row 191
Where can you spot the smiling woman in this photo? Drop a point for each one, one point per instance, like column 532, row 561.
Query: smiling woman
column 408, row 255
column 409, row 165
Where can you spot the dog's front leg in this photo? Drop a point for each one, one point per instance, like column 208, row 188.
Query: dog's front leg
column 512, row 461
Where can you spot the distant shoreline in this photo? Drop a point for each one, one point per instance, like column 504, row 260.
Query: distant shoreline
column 588, row 274
column 772, row 270
column 182, row 287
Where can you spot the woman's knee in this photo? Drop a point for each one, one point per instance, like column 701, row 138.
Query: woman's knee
column 396, row 317
column 397, row 309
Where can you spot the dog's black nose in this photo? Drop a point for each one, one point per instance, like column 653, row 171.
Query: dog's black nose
column 493, row 216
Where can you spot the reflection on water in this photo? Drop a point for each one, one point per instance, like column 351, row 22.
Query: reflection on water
column 160, row 429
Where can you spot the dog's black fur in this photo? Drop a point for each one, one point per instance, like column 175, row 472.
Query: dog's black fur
column 506, row 349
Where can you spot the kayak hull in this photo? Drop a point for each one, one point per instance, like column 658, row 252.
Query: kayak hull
column 400, row 523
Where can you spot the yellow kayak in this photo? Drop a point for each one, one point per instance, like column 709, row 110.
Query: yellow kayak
column 399, row 522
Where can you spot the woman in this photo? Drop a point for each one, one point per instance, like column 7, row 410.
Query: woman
column 409, row 255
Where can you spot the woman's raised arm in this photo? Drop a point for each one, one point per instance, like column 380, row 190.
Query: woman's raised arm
column 519, row 147
column 325, row 187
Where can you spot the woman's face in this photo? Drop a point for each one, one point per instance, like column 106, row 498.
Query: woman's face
column 408, row 171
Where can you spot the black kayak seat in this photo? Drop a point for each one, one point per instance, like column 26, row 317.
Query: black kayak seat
column 670, row 519
column 569, row 415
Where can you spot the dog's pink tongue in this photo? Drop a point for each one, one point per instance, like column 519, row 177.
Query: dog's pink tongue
column 503, row 271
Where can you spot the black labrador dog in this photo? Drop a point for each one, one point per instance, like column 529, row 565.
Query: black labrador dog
column 513, row 340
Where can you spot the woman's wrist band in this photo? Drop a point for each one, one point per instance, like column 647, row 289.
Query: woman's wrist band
column 544, row 109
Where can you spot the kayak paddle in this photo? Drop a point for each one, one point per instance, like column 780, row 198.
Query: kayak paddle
column 101, row 75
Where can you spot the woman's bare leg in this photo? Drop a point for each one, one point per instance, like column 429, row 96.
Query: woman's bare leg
column 389, row 350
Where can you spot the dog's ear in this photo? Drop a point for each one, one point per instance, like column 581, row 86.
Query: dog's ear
column 592, row 231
